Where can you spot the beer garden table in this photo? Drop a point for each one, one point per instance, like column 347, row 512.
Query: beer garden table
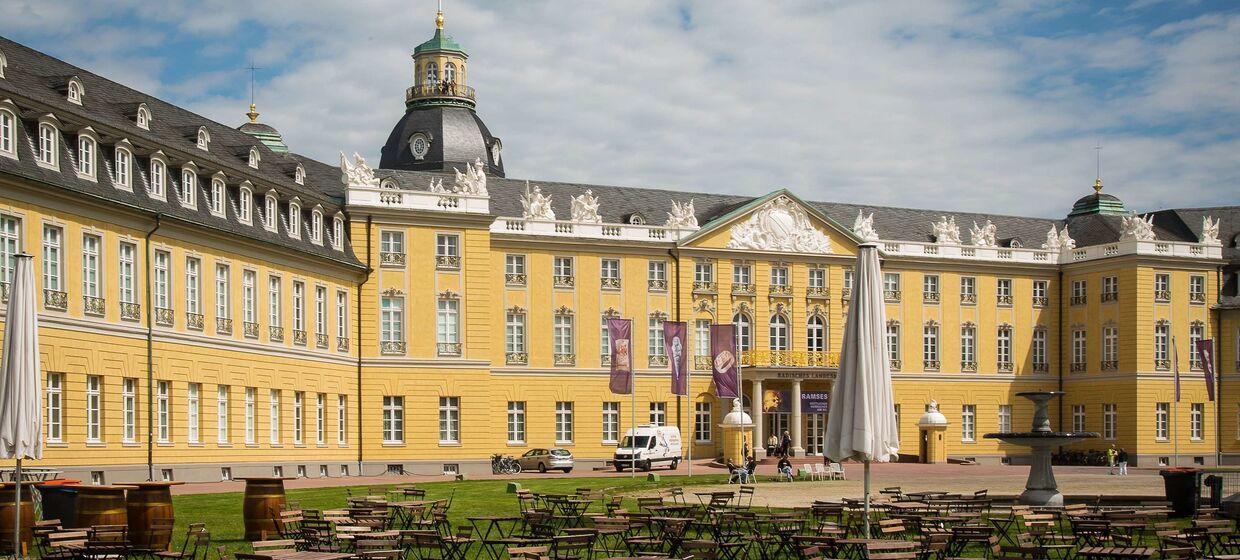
column 1115, row 552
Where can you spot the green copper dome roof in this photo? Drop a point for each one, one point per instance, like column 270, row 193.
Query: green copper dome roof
column 440, row 42
column 1099, row 203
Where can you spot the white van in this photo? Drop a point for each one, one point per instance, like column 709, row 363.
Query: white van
column 648, row 445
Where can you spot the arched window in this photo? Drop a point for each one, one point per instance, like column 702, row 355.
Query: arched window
column 245, row 204
column 48, row 146
column 816, row 334
column 299, row 175
column 143, row 118
column 432, row 73
column 316, row 225
column 86, row 156
column 271, row 207
column 338, row 232
column 189, row 184
column 779, row 332
column 122, row 168
column 75, row 91
column 744, row 332
column 254, row 158
column 8, row 133
column 449, row 72
column 159, row 178
column 217, row 196
column 204, row 138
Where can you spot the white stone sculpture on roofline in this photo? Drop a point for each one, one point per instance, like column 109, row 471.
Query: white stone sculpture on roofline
column 437, row 186
column 357, row 174
column 983, row 236
column 536, row 205
column 1137, row 227
column 1059, row 240
column 585, row 208
column 1209, row 231
column 682, row 216
column 863, row 227
column 946, row 231
column 779, row 225
column 472, row 181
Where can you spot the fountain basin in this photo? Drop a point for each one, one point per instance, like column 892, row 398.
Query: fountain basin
column 1041, row 488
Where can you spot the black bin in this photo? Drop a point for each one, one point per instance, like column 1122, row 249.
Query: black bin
column 1215, row 484
column 60, row 500
column 1183, row 489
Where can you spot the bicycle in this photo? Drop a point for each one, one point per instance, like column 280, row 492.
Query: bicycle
column 504, row 464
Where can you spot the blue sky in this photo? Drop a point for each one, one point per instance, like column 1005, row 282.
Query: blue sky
column 991, row 106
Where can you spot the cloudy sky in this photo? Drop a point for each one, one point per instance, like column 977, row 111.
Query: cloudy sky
column 988, row 106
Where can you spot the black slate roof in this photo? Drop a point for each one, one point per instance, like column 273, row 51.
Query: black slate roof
column 35, row 83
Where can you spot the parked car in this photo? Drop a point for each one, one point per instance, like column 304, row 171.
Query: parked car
column 544, row 460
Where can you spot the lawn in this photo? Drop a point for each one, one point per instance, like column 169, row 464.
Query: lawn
column 222, row 512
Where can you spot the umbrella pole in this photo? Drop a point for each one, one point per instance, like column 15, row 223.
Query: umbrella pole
column 866, row 507
column 17, row 509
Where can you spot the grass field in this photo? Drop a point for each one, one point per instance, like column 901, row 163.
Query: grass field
column 222, row 512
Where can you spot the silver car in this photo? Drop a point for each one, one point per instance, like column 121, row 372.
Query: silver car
column 544, row 460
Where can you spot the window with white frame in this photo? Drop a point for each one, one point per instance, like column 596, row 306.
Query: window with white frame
column 122, row 168
column 779, row 276
column 127, row 255
column 968, row 289
column 222, row 421
column 817, row 279
column 316, row 226
column 163, row 411
column 75, row 91
column 658, row 413
column 274, row 415
column 1110, row 346
column 94, row 411
column 1003, row 291
column 204, row 139
column 162, row 279
column 342, row 419
column 8, row 133
column 53, row 263
column 930, row 287
column 968, row 423
column 563, row 422
column 1005, row 418
column 609, row 273
column 253, row 159
column 192, row 285
column 249, row 307
column 450, row 420
column 703, row 272
column 192, row 410
column 299, row 306
column 1038, row 348
column 251, row 416
column 392, row 246
column 1162, row 415
column 744, row 332
column 274, row 314
column 514, row 269
column 86, row 155
column 742, row 274
column 563, row 334
column 55, row 407
column 1196, row 332
column 299, row 417
column 778, row 333
column 604, row 339
column 320, row 310
column 129, row 410
column 143, row 117
column 930, row 345
column 1078, row 349
column 893, row 342
column 245, row 204
column 1196, row 420
column 891, row 286
column 337, row 232
column 1162, row 344
column 49, row 147
column 391, row 319
column 656, row 275
column 611, row 422
column 189, row 186
column 815, row 334
column 299, row 175
column 516, row 422
column 1110, row 421
column 294, row 219
column 1110, row 288
column 10, row 246
column 342, row 314
column 217, row 197
column 1196, row 289
column 1040, row 291
column 968, row 345
column 271, row 208
column 1079, row 292
column 223, row 307
column 848, row 281
column 514, row 332
column 393, row 419
column 1003, row 348
column 702, row 421
column 654, row 336
column 562, row 269
column 1162, row 287
column 1078, row 418
column 701, row 338
column 448, row 325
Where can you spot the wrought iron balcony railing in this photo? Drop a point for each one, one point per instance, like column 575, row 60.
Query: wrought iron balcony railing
column 1040, row 301
column 55, row 299
column 97, row 306
column 131, row 311
column 448, row 349
column 744, row 289
column 322, row 341
column 342, row 344
column 561, row 281
column 609, row 283
column 447, row 262
column 439, row 90
column 223, row 325
column 250, row 329
column 703, row 287
column 564, row 359
column 391, row 259
column 516, row 358
column 392, row 348
column 968, row 299
column 275, row 334
column 299, row 337
column 930, row 297
column 514, row 279
column 656, row 285
column 193, row 321
column 818, row 292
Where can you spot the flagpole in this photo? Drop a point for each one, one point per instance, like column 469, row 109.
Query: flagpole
column 693, row 409
column 1175, row 405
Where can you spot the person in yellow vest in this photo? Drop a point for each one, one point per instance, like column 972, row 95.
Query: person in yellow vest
column 1111, row 454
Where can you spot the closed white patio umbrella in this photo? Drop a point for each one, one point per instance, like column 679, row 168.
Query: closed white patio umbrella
column 861, row 422
column 20, row 412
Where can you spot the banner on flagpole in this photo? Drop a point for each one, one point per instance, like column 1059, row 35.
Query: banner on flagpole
column 1205, row 351
column 620, row 332
column 674, row 339
column 725, row 361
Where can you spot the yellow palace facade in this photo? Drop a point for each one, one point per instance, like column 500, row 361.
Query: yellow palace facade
column 214, row 305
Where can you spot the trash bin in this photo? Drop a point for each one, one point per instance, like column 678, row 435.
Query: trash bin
column 60, row 500
column 1183, row 489
column 1215, row 483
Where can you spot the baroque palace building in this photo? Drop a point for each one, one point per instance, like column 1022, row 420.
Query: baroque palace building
column 215, row 305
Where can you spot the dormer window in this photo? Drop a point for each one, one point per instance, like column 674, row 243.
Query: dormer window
column 271, row 207
column 294, row 218
column 159, row 177
column 189, row 186
column 8, row 132
column 218, row 192
column 338, row 232
column 254, row 158
column 637, row 220
column 316, row 225
column 76, row 91
column 204, row 138
column 86, row 155
column 245, row 204
column 299, row 175
column 4, row 63
column 143, row 118
column 49, row 147
column 122, row 168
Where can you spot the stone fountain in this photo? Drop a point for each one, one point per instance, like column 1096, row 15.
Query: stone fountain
column 1041, row 489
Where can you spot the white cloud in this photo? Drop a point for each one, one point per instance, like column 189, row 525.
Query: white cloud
column 925, row 104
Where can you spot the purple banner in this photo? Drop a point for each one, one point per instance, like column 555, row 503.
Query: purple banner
column 724, row 372
column 620, row 333
column 815, row 402
column 1205, row 350
column 674, row 337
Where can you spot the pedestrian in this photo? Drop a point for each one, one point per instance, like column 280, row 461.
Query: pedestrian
column 785, row 468
column 771, row 443
column 1111, row 455
column 785, row 444
column 1122, row 459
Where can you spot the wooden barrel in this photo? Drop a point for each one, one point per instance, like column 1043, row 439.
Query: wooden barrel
column 148, row 504
column 6, row 516
column 264, row 499
column 101, row 505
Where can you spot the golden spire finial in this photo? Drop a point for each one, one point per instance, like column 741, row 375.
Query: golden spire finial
column 439, row 16
column 253, row 114
column 1098, row 186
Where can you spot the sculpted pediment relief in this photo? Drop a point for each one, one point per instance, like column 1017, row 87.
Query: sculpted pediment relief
column 779, row 225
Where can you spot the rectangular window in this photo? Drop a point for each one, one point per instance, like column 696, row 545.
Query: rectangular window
column 1196, row 289
column 1040, row 291
column 342, row 314
column 609, row 273
column 611, row 422
column 222, row 308
column 1005, row 418
column 250, row 415
column 1079, row 291
column 163, row 291
column 1196, row 331
column 91, row 261
column 514, row 269
column 658, row 413
column 447, row 245
column 1196, row 420
column 127, row 264
column 1110, row 347
column 656, row 275
column 1110, row 288
column 86, row 156
column 930, row 345
column 52, row 263
column 1003, row 291
column 448, row 324
column 701, row 338
column 192, row 411
column 1039, row 349
column 391, row 319
column 893, row 342
column 48, row 144
column 129, row 410
column 742, row 274
column 654, row 337
column 891, row 285
column 514, row 333
column 299, row 306
column 1161, row 420
column 968, row 423
column 562, row 269
column 222, row 420
column 55, row 407
column 1078, row 349
column 817, row 279
column 1110, row 421
column 968, row 289
column 563, row 335
column 779, row 276
column 392, row 247
column 703, row 272
column 274, row 314
column 192, row 286
column 450, row 420
column 702, row 422
column 563, row 422
column 249, row 308
column 94, row 402
column 1078, row 418
column 299, row 417
column 273, row 415
column 516, row 422
column 10, row 246
column 848, row 281
column 342, row 419
column 1162, row 337
column 1003, row 347
column 930, row 287
column 1162, row 287
column 320, row 310
column 163, row 411
column 393, row 419
column 968, row 346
